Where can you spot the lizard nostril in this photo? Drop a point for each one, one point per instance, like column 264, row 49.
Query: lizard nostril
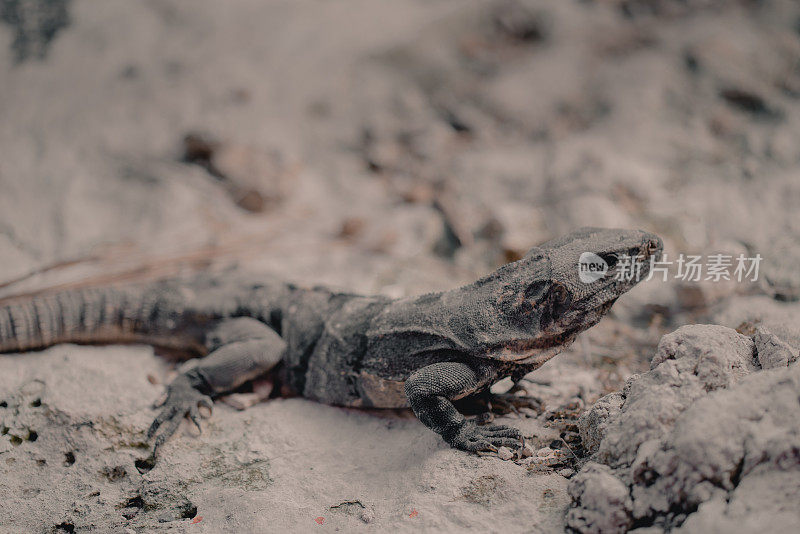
column 651, row 247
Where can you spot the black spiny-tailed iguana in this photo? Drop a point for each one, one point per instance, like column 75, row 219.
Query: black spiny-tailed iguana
column 345, row 349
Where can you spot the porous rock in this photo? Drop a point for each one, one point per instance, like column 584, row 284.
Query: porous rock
column 702, row 440
column 688, row 363
column 592, row 423
column 606, row 505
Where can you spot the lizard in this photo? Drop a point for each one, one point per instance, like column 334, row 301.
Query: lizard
column 339, row 348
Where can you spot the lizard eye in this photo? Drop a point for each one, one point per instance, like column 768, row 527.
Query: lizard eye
column 610, row 259
column 559, row 292
column 560, row 299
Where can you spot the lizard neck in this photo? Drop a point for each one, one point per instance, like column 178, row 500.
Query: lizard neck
column 490, row 318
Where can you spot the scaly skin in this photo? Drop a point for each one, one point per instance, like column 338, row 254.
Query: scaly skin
column 345, row 349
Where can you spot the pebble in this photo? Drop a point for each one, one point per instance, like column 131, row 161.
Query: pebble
column 526, row 451
column 504, row 453
column 367, row 516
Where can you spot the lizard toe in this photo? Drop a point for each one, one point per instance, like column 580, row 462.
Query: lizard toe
column 480, row 445
column 167, row 430
column 498, row 427
column 183, row 400
column 473, row 438
column 503, row 432
column 505, row 442
column 161, row 401
column 163, row 416
column 205, row 406
column 194, row 417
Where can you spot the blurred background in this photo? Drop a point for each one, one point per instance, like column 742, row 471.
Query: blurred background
column 399, row 147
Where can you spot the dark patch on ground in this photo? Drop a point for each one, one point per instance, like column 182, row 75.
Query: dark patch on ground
column 64, row 527
column 144, row 465
column 751, row 103
column 113, row 474
column 131, row 506
column 36, row 23
column 188, row 511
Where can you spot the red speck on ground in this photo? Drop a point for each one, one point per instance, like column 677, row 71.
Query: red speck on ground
column 197, row 519
column 413, row 513
column 320, row 520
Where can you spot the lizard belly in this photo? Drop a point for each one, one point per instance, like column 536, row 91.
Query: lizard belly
column 377, row 392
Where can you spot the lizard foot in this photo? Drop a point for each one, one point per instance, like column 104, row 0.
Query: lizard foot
column 262, row 389
column 505, row 403
column 474, row 438
column 182, row 400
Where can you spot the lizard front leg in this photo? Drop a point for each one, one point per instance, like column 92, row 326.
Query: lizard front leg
column 241, row 349
column 430, row 391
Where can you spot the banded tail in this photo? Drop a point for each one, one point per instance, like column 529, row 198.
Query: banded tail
column 154, row 314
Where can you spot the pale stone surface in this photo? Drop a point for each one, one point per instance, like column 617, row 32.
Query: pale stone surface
column 705, row 441
column 605, row 502
column 772, row 351
column 688, row 363
column 276, row 466
column 592, row 423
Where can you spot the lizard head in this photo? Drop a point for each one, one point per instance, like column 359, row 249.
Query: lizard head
column 591, row 268
column 566, row 285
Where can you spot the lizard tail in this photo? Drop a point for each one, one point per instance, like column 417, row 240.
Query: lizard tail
column 94, row 315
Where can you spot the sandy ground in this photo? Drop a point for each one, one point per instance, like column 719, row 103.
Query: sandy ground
column 397, row 148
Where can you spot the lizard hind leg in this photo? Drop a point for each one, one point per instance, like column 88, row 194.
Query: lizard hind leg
column 241, row 349
column 263, row 388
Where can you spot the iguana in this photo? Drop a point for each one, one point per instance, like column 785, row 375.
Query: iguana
column 345, row 349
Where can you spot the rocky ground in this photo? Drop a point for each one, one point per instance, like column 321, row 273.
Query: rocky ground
column 398, row 148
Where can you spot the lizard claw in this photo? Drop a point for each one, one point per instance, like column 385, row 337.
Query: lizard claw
column 161, row 401
column 182, row 400
column 474, row 438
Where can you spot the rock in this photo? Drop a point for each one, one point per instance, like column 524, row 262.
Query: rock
column 747, row 314
column 722, row 448
column 781, row 253
column 367, row 516
column 526, row 451
column 773, row 351
column 718, row 354
column 698, row 439
column 605, row 505
column 688, row 363
column 504, row 453
column 591, row 423
column 540, row 463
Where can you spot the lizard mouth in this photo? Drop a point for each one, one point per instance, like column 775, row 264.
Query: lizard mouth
column 535, row 350
column 560, row 335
